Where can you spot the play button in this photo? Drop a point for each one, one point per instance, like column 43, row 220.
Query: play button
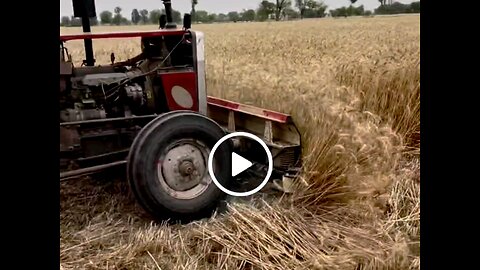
column 239, row 164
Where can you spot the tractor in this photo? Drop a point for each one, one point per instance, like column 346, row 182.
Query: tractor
column 151, row 119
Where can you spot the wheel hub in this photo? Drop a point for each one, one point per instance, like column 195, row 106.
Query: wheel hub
column 184, row 167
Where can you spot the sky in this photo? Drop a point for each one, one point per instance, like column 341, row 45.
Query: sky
column 212, row 6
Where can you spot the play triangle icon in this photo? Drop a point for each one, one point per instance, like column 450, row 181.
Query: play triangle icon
column 239, row 164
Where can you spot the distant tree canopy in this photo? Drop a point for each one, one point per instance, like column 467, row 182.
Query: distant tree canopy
column 176, row 16
column 65, row 21
column 106, row 17
column 315, row 9
column 72, row 21
column 280, row 7
column 394, row 8
column 266, row 10
column 310, row 8
column 118, row 18
column 348, row 11
column 222, row 17
column 136, row 18
column 144, row 16
column 248, row 15
column 193, row 12
column 233, row 16
column 154, row 16
column 398, row 8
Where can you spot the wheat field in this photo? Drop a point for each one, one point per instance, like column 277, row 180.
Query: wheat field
column 353, row 88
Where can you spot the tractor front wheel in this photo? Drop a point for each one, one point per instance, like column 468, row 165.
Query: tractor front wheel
column 167, row 166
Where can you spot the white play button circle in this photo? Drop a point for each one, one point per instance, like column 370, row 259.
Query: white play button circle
column 240, row 164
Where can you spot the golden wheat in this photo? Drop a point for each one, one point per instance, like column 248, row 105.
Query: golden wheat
column 352, row 86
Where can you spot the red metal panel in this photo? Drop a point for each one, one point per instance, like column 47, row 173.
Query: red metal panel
column 175, row 84
column 252, row 110
column 155, row 33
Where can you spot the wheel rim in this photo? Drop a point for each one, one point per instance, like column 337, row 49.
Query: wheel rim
column 182, row 169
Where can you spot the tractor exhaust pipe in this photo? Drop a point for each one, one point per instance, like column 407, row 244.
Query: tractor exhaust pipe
column 168, row 11
column 85, row 9
column 89, row 59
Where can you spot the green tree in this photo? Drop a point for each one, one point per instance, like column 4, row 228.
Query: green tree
column 117, row 18
column 144, row 15
column 314, row 9
column 265, row 9
column 75, row 21
column 136, row 16
column 339, row 12
column 222, row 17
column 93, row 21
column 201, row 16
column 212, row 17
column 301, row 5
column 192, row 13
column 280, row 6
column 65, row 21
column 348, row 11
column 176, row 16
column 415, row 7
column 106, row 17
column 248, row 15
column 290, row 13
column 154, row 16
column 233, row 16
column 395, row 8
column 359, row 11
column 117, row 10
column 124, row 21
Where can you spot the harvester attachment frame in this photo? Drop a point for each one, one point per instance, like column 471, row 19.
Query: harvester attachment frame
column 276, row 129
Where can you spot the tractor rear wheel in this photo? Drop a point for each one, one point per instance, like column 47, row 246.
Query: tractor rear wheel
column 167, row 166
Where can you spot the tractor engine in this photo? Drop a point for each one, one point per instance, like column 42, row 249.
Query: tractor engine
column 102, row 108
column 101, row 95
column 89, row 95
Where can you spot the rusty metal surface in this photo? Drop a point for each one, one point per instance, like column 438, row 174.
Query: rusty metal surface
column 66, row 68
column 71, row 115
column 110, row 120
column 69, row 139
column 274, row 133
column 248, row 109
column 85, row 171
column 182, row 171
column 277, row 130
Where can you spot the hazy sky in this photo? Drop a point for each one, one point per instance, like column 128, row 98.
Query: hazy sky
column 184, row 6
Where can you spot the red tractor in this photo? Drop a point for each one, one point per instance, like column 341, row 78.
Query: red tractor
column 153, row 115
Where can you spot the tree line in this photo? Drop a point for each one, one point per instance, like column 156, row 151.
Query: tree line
column 266, row 10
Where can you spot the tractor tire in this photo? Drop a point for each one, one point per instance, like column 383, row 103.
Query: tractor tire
column 168, row 166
